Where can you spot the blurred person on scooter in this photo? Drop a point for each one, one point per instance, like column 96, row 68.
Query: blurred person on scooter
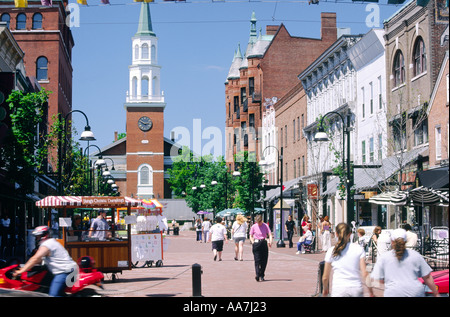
column 55, row 257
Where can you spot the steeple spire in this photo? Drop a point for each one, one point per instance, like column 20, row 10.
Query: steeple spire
column 253, row 32
column 145, row 21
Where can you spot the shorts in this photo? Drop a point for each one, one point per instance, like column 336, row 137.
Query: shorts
column 238, row 239
column 217, row 245
column 347, row 292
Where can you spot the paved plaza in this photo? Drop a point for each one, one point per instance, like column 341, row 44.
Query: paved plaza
column 287, row 274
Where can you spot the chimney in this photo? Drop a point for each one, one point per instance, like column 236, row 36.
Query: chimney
column 328, row 28
column 271, row 29
column 115, row 136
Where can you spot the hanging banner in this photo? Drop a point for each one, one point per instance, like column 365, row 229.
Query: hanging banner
column 313, row 191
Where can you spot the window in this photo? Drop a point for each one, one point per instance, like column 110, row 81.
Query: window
column 153, row 52
column 37, row 21
column 236, row 107
column 144, row 86
column 399, row 133
column 281, row 137
column 420, row 57
column 251, row 86
column 145, row 180
column 363, row 151
column 42, row 68
column 6, row 18
column 303, row 165
column 293, row 130
column 295, row 169
column 371, row 150
column 371, row 97
column 244, row 99
column 363, row 96
column 285, row 135
column 380, row 146
column 380, row 98
column 420, row 131
column 21, row 21
column 399, row 69
column 136, row 51
column 134, row 87
column 438, row 143
column 155, row 87
column 144, row 51
column 303, row 122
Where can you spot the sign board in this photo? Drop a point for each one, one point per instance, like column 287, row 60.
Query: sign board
column 94, row 201
column 313, row 192
column 146, row 247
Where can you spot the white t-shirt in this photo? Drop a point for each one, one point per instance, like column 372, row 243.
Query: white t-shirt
column 218, row 231
column 206, row 225
column 239, row 231
column 59, row 261
column 401, row 277
column 346, row 270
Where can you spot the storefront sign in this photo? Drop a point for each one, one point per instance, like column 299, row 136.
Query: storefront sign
column 368, row 195
column 94, row 201
column 313, row 192
column 358, row 197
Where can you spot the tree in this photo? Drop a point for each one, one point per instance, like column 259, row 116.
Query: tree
column 25, row 155
column 250, row 183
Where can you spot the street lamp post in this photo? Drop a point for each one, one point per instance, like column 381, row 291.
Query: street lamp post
column 322, row 136
column 86, row 135
column 280, row 243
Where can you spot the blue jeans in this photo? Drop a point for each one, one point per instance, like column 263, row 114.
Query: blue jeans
column 58, row 285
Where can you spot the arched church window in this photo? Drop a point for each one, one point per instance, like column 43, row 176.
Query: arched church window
column 153, row 53
column 144, row 86
column 145, row 175
column 144, row 51
column 155, row 86
column 136, row 51
column 134, row 87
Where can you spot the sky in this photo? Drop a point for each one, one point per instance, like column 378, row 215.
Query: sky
column 196, row 43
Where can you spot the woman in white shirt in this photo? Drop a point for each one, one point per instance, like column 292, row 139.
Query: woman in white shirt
column 347, row 260
column 239, row 232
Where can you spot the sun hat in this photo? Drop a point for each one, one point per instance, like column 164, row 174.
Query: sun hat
column 397, row 234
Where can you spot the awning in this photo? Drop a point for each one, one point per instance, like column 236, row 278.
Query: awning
column 275, row 192
column 284, row 204
column 396, row 198
column 87, row 201
column 369, row 178
column 428, row 196
column 418, row 196
column 436, row 178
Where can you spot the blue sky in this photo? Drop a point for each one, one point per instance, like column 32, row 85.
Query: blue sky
column 197, row 40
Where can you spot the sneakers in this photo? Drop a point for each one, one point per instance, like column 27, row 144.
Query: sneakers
column 298, row 252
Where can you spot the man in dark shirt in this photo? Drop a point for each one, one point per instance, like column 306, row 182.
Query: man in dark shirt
column 290, row 229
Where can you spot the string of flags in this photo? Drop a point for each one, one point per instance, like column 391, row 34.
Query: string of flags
column 49, row 3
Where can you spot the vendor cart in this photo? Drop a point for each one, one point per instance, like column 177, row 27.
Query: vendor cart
column 147, row 237
column 112, row 254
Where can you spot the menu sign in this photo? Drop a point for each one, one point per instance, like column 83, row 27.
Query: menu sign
column 106, row 201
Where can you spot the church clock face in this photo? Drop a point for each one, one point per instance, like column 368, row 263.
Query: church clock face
column 145, row 124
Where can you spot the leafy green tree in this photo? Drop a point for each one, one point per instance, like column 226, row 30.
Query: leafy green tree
column 25, row 155
column 250, row 183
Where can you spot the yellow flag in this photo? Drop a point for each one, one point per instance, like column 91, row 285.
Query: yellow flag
column 21, row 3
column 83, row 2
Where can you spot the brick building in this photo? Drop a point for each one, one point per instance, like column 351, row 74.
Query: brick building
column 46, row 39
column 265, row 73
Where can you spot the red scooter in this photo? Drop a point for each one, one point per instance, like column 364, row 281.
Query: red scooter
column 38, row 278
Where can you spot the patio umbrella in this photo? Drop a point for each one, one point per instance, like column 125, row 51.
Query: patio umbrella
column 230, row 211
column 201, row 212
column 395, row 198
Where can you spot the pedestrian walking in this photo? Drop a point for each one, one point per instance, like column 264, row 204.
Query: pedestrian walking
column 347, row 261
column 206, row 225
column 400, row 268
column 290, row 228
column 325, row 227
column 259, row 233
column 198, row 230
column 239, row 232
column 218, row 236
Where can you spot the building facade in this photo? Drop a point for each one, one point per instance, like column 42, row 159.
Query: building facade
column 265, row 73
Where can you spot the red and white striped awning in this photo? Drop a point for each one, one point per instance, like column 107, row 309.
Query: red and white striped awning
column 87, row 201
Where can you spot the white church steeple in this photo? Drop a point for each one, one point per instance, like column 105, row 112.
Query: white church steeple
column 145, row 73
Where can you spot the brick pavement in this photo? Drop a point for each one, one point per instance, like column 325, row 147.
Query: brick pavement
column 287, row 274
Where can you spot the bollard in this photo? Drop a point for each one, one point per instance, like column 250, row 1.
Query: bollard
column 196, row 280
column 321, row 268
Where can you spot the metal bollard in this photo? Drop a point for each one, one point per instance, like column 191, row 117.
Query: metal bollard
column 196, row 280
column 321, row 269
